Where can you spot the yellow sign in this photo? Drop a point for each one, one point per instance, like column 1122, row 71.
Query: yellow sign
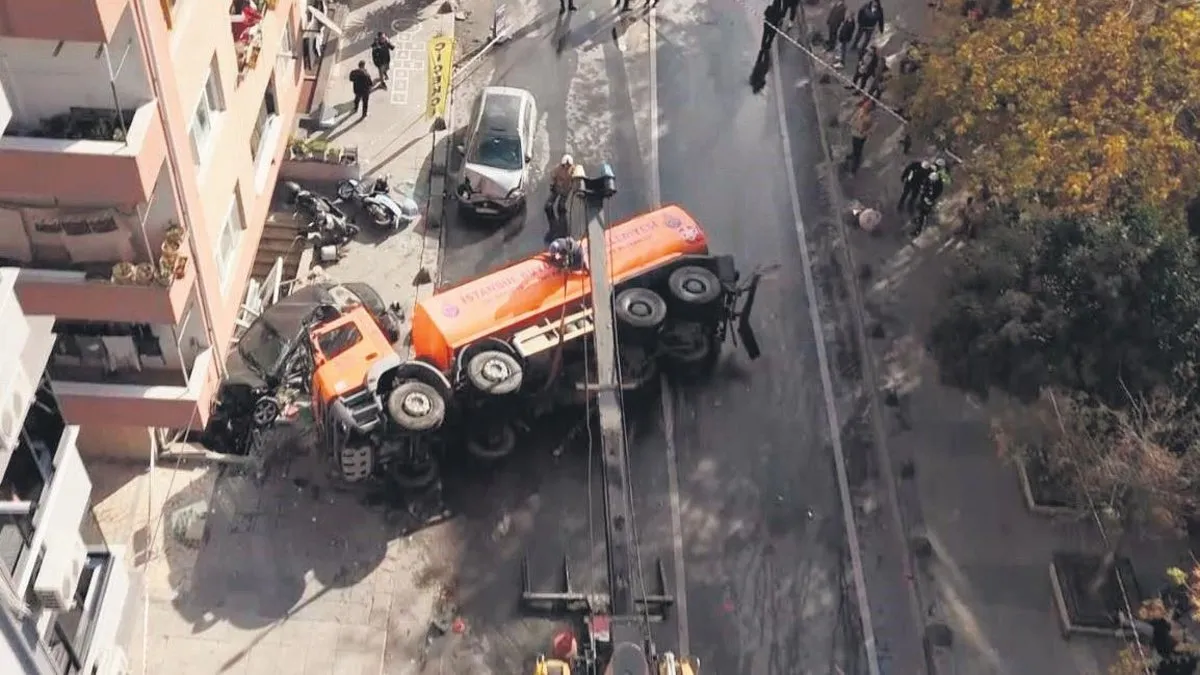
column 441, row 67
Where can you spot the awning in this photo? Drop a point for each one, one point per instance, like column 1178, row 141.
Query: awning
column 326, row 21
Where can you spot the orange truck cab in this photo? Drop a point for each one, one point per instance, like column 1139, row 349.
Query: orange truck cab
column 516, row 342
column 356, row 374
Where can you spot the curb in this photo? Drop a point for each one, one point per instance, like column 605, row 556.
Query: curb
column 870, row 379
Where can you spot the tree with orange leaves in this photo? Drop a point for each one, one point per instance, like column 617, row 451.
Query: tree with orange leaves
column 1079, row 105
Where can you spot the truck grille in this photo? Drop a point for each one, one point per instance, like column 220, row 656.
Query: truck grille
column 363, row 408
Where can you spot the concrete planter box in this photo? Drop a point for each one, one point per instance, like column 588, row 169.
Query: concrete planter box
column 315, row 170
column 1081, row 613
column 1037, row 503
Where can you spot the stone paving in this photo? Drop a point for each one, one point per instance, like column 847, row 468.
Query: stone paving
column 396, row 139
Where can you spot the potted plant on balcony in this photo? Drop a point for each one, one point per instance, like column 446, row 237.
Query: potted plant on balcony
column 123, row 273
column 144, row 274
column 166, row 271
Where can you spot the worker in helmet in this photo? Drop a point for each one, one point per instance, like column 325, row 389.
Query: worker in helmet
column 568, row 254
column 561, row 184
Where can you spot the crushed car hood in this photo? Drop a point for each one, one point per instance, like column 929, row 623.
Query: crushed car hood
column 492, row 182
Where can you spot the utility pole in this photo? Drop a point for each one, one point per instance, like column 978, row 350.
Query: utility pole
column 626, row 624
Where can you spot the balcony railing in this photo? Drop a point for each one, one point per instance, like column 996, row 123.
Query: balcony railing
column 152, row 291
column 94, row 155
column 246, row 24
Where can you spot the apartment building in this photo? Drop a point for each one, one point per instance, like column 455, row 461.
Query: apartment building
column 140, row 145
column 64, row 593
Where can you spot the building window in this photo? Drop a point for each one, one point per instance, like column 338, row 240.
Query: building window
column 267, row 114
column 210, row 103
column 229, row 239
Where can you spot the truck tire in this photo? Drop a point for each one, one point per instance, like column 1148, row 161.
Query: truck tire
column 494, row 372
column 694, row 290
column 414, row 476
column 637, row 366
column 416, row 406
column 641, row 309
column 493, row 443
column 686, row 345
column 356, row 463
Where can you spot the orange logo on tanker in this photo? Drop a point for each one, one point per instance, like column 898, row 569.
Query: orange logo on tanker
column 686, row 231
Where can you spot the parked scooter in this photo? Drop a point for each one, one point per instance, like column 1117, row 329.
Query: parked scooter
column 375, row 197
column 310, row 204
column 327, row 224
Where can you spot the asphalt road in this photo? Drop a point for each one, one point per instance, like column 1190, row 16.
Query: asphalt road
column 755, row 525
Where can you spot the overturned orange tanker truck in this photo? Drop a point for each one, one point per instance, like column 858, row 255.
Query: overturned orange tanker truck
column 492, row 353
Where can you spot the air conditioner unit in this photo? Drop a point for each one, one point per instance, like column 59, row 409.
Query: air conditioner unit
column 61, row 568
column 113, row 662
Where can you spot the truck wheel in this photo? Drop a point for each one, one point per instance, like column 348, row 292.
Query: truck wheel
column 415, row 475
column 494, row 372
column 356, row 463
column 694, row 288
column 637, row 367
column 641, row 309
column 492, row 443
column 416, row 406
column 686, row 344
column 266, row 411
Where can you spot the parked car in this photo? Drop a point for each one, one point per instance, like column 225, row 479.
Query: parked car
column 273, row 356
column 494, row 179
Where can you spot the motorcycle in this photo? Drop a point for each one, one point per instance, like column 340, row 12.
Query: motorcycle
column 328, row 230
column 311, row 204
column 376, row 199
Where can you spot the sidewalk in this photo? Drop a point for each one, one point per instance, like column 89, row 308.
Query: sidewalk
column 396, row 139
column 935, row 462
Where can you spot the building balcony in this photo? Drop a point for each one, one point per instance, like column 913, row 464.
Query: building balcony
column 94, row 293
column 75, row 20
column 145, row 398
column 85, row 155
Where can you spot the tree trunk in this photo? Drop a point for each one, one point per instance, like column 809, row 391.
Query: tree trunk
column 1110, row 558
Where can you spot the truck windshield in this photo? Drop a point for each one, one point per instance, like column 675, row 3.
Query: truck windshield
column 338, row 340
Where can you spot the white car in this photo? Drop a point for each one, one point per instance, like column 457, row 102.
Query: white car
column 495, row 170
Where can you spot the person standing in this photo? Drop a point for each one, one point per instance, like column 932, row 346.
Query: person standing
column 361, row 80
column 930, row 192
column 790, row 7
column 562, row 183
column 868, row 67
column 911, row 178
column 834, row 21
column 845, row 35
column 564, row 6
column 870, row 17
column 862, row 123
column 773, row 17
column 381, row 56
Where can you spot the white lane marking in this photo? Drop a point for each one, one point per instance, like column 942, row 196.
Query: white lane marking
column 814, row 314
column 668, row 413
column 655, row 184
column 668, row 396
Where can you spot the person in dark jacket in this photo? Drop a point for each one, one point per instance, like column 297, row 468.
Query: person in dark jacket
column 790, row 7
column 773, row 17
column 381, row 56
column 868, row 67
column 911, row 178
column 870, row 17
column 361, row 80
column 930, row 192
column 845, row 35
column 834, row 21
